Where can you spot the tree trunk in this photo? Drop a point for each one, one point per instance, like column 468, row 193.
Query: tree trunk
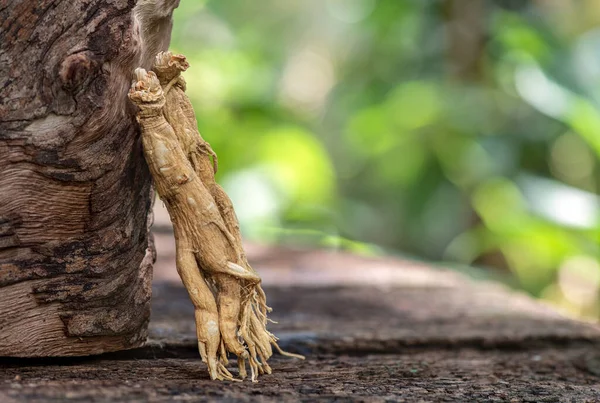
column 75, row 192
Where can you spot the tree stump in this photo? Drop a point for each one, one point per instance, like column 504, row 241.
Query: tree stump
column 75, row 192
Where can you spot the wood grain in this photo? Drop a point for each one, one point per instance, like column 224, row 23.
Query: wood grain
column 448, row 339
column 75, row 192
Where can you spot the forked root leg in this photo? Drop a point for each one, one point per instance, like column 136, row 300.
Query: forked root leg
column 206, row 311
column 229, row 305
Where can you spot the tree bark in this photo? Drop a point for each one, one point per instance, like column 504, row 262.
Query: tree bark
column 75, row 192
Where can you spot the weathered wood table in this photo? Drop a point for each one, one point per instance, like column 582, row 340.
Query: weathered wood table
column 372, row 330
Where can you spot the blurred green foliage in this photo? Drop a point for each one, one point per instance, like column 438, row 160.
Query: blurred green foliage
column 457, row 130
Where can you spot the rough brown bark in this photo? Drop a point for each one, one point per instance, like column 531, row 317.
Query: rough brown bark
column 75, row 192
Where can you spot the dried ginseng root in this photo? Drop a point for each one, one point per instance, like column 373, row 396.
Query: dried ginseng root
column 230, row 305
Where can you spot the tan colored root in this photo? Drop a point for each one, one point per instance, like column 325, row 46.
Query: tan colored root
column 210, row 257
column 172, row 177
column 199, row 152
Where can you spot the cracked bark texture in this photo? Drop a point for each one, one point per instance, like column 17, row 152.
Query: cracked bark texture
column 75, row 192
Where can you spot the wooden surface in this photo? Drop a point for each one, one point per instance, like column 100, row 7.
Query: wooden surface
column 75, row 192
column 372, row 330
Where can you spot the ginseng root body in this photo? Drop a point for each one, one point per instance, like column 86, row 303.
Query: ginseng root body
column 230, row 305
